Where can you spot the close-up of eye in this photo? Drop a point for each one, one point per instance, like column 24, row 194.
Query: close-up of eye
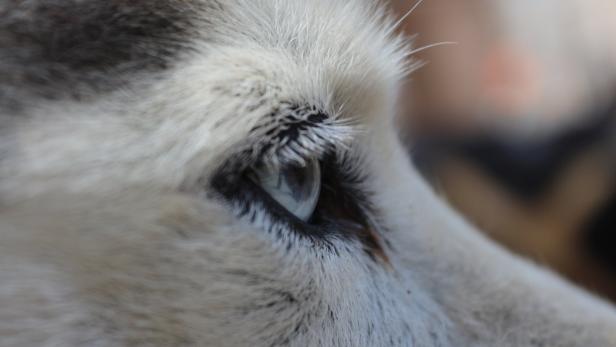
column 295, row 188
column 318, row 200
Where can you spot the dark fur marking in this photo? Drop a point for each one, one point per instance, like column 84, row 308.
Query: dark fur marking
column 56, row 49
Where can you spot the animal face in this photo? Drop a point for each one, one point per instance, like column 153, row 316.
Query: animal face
column 227, row 173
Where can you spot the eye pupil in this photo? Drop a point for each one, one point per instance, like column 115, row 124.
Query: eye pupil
column 295, row 188
column 297, row 179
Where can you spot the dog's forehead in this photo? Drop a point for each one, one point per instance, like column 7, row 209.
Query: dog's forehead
column 80, row 49
column 341, row 57
column 326, row 46
column 191, row 76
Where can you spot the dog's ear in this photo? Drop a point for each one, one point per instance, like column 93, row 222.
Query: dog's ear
column 51, row 46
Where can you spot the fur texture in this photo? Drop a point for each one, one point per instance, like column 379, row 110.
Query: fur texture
column 111, row 234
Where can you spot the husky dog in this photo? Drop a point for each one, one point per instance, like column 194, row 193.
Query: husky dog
column 227, row 173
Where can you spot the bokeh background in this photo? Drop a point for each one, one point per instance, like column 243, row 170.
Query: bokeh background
column 515, row 124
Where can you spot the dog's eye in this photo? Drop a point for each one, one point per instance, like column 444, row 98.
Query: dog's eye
column 320, row 199
column 295, row 188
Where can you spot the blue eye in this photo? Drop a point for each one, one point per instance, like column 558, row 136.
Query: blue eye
column 296, row 188
column 320, row 199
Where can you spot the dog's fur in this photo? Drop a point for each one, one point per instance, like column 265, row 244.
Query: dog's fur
column 115, row 115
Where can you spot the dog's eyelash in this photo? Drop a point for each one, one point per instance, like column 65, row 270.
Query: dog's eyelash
column 261, row 216
column 292, row 134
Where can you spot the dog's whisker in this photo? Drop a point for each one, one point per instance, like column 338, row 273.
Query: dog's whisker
column 407, row 14
column 432, row 45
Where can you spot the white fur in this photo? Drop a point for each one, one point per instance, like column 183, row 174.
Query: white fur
column 101, row 244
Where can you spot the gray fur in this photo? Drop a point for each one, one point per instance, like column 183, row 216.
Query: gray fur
column 110, row 234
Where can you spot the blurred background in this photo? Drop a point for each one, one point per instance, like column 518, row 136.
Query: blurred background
column 515, row 124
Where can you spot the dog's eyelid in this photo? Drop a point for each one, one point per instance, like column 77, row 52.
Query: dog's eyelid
column 290, row 136
column 296, row 135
